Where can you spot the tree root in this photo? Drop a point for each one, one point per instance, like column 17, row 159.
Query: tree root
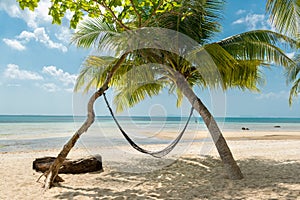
column 56, row 180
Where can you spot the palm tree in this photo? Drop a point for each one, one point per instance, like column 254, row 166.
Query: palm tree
column 285, row 16
column 236, row 58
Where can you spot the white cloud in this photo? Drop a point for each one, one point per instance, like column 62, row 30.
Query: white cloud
column 26, row 35
column 11, row 8
column 239, row 12
column 239, row 21
column 14, row 44
column 64, row 34
column 65, row 77
column 50, row 87
column 272, row 95
column 40, row 35
column 13, row 72
column 58, row 80
column 33, row 19
column 254, row 21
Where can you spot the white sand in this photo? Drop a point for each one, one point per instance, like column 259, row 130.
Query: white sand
column 270, row 164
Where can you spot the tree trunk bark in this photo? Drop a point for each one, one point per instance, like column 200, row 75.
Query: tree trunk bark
column 53, row 171
column 230, row 164
column 78, row 166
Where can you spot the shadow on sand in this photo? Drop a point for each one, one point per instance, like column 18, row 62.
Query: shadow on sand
column 193, row 178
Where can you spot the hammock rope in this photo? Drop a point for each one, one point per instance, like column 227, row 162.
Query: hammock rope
column 156, row 154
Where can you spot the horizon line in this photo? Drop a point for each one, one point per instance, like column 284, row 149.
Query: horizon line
column 68, row 115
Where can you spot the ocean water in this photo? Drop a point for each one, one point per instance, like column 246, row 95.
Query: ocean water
column 21, row 133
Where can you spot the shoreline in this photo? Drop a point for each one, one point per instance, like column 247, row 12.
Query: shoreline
column 12, row 144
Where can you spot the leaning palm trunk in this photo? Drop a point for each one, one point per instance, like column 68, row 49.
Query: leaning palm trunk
column 230, row 164
column 53, row 170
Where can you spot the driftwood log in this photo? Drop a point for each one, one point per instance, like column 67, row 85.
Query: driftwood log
column 83, row 165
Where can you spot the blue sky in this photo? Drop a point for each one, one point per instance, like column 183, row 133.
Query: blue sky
column 38, row 69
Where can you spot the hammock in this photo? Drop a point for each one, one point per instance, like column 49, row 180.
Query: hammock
column 156, row 154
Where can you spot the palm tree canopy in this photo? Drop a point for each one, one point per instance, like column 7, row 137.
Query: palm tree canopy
column 237, row 58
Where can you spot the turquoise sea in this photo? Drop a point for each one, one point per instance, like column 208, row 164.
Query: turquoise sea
column 28, row 132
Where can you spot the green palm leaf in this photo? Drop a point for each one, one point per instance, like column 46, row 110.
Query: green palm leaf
column 94, row 72
column 127, row 97
column 293, row 76
column 260, row 45
column 295, row 90
column 285, row 15
column 197, row 19
column 266, row 36
column 95, row 32
column 246, row 75
column 136, row 84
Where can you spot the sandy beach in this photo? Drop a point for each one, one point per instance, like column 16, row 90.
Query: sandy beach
column 270, row 163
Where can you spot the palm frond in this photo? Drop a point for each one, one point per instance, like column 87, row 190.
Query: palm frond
column 211, row 63
column 295, row 90
column 137, row 83
column 260, row 51
column 127, row 97
column 93, row 32
column 219, row 68
column 94, row 72
column 264, row 36
column 260, row 45
column 197, row 19
column 285, row 16
column 293, row 73
column 246, row 75
column 293, row 76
